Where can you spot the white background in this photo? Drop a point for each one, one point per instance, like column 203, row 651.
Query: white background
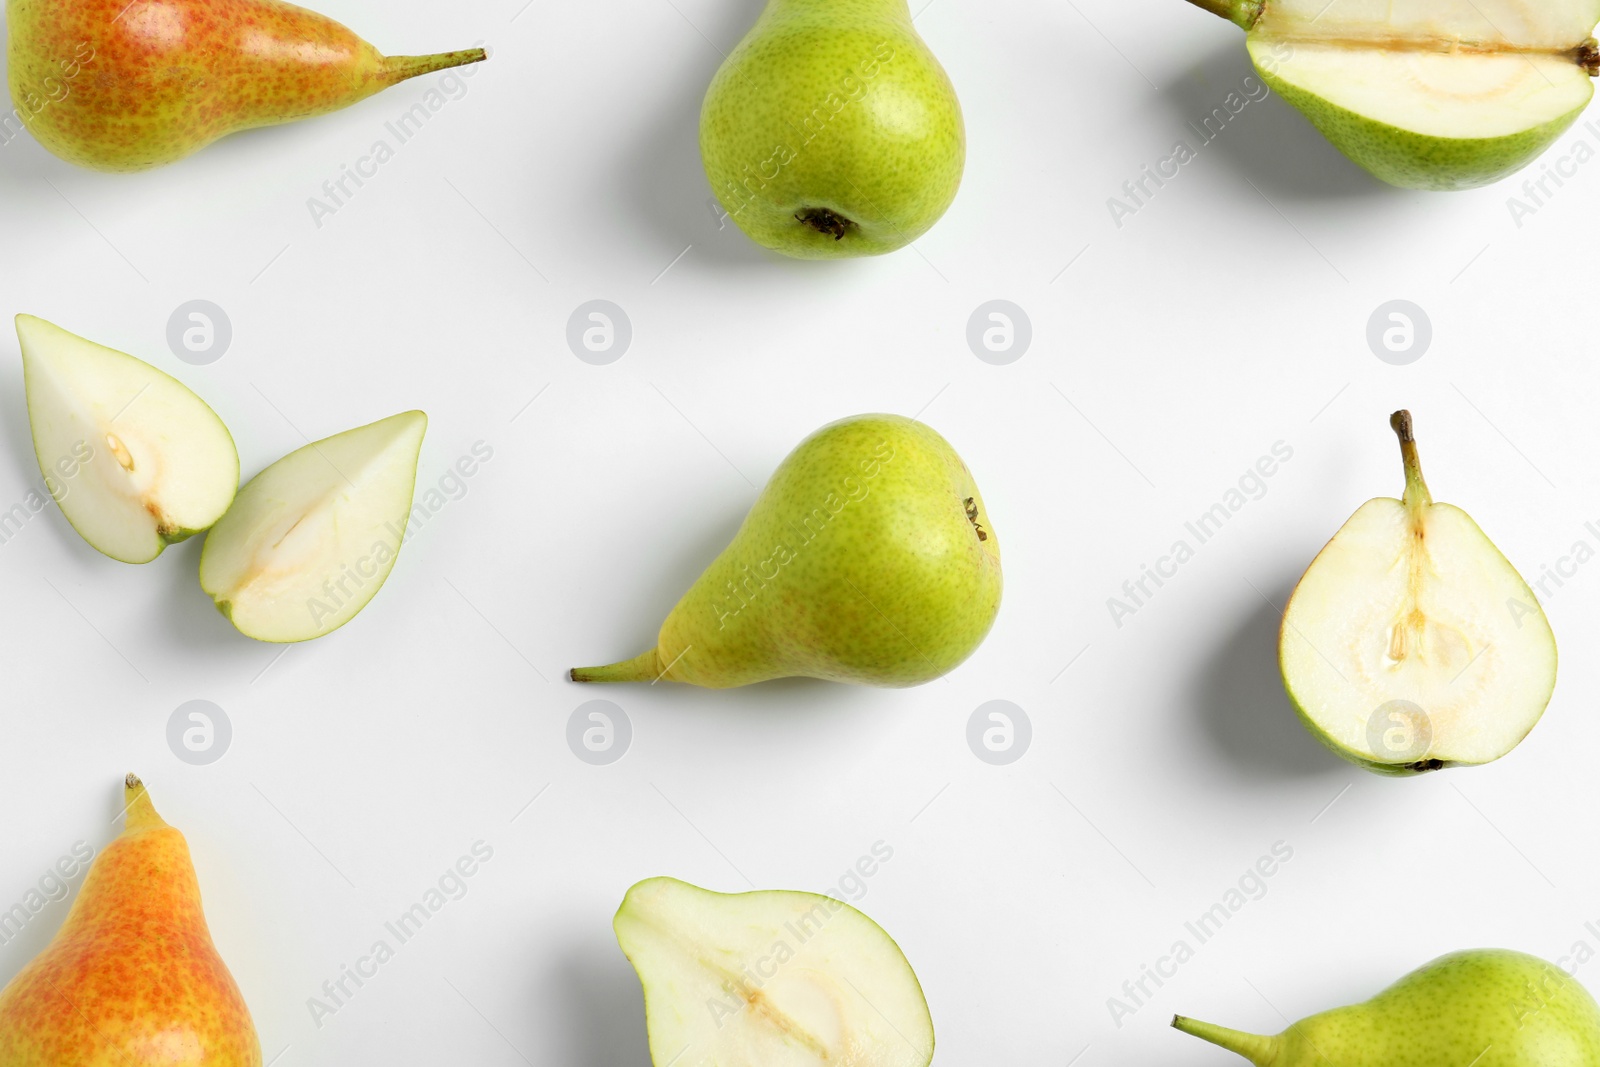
column 1228, row 314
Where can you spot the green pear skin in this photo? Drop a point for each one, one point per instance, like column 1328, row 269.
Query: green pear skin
column 868, row 558
column 1483, row 1007
column 832, row 131
column 1414, row 161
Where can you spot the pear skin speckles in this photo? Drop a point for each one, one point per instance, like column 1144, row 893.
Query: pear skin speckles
column 125, row 87
column 132, row 978
column 832, row 131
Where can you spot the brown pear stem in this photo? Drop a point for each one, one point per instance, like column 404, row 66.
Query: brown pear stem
column 1417, row 495
column 397, row 69
column 1242, row 13
column 641, row 668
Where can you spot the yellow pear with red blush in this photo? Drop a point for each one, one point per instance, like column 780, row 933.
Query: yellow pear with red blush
column 132, row 978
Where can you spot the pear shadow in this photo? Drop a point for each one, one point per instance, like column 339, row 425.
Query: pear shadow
column 1244, row 711
column 604, row 1008
column 1269, row 143
column 658, row 594
column 663, row 182
column 190, row 617
column 18, row 437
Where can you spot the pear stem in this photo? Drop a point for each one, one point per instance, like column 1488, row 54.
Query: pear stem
column 136, row 804
column 1242, row 13
column 1417, row 495
column 1257, row 1049
column 397, row 69
column 642, row 668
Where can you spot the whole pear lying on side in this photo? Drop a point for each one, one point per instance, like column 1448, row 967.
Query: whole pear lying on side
column 1411, row 643
column 831, row 130
column 1428, row 94
column 1486, row 1007
column 770, row 979
column 125, row 86
column 132, row 978
column 868, row 558
column 135, row 460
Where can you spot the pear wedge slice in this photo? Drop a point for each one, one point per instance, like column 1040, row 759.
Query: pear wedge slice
column 312, row 538
column 133, row 457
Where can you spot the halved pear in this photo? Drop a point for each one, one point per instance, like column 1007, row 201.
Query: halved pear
column 1428, row 94
column 312, row 538
column 1411, row 643
column 770, row 979
column 134, row 458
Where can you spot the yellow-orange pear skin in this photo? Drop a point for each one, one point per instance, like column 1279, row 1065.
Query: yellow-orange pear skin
column 132, row 978
column 125, row 86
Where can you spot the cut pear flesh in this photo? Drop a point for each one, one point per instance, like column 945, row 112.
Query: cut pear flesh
column 1458, row 97
column 1430, row 93
column 1411, row 643
column 770, row 979
column 311, row 539
column 135, row 460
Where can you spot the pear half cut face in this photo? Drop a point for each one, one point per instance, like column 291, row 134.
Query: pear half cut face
column 135, row 460
column 770, row 979
column 1412, row 644
column 1432, row 94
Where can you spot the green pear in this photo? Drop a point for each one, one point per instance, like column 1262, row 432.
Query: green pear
column 770, row 979
column 868, row 558
column 832, row 131
column 1411, row 643
column 311, row 539
column 126, row 85
column 1483, row 1008
column 1428, row 94
column 135, row 460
